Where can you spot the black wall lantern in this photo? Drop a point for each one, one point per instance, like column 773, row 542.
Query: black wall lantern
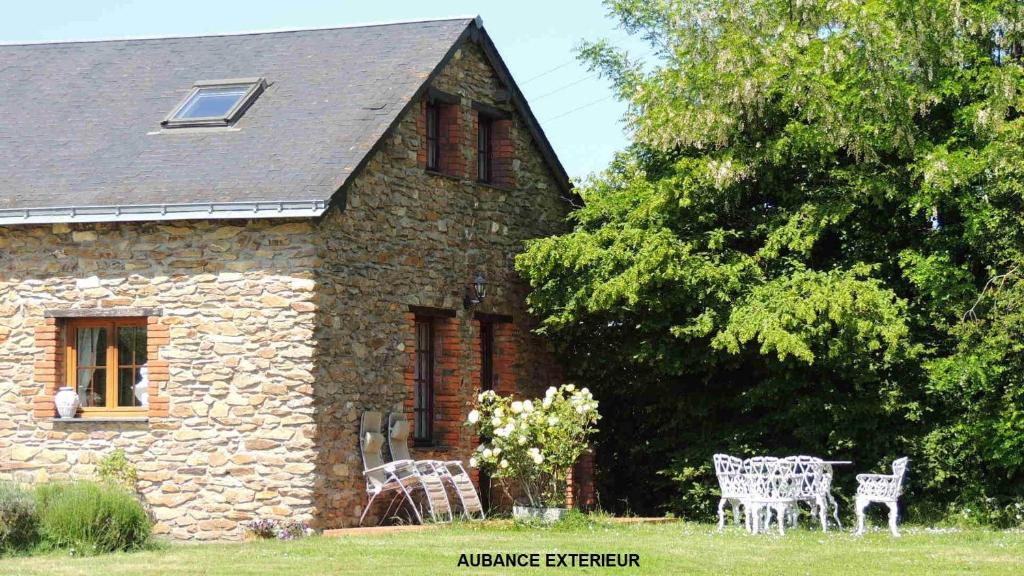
column 475, row 292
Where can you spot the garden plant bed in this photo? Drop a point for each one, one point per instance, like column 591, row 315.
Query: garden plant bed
column 672, row 548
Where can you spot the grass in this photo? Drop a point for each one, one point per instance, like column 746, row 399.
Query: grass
column 676, row 548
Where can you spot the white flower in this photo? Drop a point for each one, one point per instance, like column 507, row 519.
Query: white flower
column 536, row 455
column 585, row 391
column 487, row 452
column 472, row 462
column 480, row 397
column 499, row 412
column 581, row 409
column 495, row 421
column 503, row 432
column 550, row 392
column 504, row 464
column 528, row 406
column 497, row 450
column 474, row 416
column 552, row 420
column 547, row 401
column 570, row 387
column 522, row 440
column 517, row 407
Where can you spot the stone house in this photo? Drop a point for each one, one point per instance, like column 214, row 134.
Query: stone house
column 230, row 246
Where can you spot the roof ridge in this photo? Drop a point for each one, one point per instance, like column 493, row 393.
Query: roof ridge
column 476, row 18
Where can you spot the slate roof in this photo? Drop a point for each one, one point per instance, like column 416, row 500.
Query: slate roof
column 80, row 121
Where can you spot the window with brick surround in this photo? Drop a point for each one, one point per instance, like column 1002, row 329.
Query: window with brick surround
column 483, row 148
column 106, row 360
column 423, row 391
column 486, row 355
column 433, row 136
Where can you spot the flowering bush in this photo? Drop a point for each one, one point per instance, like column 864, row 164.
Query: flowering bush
column 532, row 444
column 281, row 529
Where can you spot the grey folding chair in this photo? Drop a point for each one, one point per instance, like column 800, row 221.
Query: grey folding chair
column 432, row 479
column 398, row 477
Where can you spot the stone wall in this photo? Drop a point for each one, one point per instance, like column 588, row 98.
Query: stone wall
column 409, row 237
column 238, row 302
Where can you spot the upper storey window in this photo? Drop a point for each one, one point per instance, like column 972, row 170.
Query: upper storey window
column 483, row 148
column 215, row 102
column 433, row 136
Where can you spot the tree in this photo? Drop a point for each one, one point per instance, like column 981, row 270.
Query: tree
column 783, row 260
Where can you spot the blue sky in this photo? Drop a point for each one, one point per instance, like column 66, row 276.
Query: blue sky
column 536, row 39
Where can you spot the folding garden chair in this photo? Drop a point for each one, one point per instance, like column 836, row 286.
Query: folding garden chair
column 398, row 477
column 431, row 472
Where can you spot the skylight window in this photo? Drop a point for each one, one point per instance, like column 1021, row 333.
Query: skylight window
column 215, row 102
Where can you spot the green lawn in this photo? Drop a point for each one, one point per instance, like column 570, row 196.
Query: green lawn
column 676, row 548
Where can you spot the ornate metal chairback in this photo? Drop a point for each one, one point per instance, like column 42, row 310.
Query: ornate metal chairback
column 899, row 471
column 730, row 479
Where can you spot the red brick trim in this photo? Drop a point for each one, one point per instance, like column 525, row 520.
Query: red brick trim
column 157, row 335
column 448, row 403
column 49, row 366
column 504, row 153
column 453, row 160
column 505, row 354
column 579, row 491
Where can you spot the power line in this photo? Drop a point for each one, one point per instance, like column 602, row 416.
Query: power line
column 578, row 108
column 563, row 87
column 546, row 72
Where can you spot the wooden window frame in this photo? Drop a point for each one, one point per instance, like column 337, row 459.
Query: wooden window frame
column 424, row 387
column 484, row 148
column 112, row 367
column 433, row 136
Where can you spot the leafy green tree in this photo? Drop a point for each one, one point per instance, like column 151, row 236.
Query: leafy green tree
column 817, row 194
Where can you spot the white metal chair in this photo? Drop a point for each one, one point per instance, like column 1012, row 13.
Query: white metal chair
column 811, row 487
column 772, row 485
column 827, row 475
column 452, row 472
column 398, row 477
column 881, row 488
column 732, row 484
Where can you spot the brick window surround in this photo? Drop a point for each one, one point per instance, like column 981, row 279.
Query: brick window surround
column 450, row 161
column 51, row 364
column 447, row 408
column 502, row 147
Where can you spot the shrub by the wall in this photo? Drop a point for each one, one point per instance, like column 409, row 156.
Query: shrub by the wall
column 19, row 526
column 91, row 518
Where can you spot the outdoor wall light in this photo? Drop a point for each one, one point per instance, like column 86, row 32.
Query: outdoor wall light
column 475, row 292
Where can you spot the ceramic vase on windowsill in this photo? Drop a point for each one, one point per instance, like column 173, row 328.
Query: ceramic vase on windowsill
column 67, row 403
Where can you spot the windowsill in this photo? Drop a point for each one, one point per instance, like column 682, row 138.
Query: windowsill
column 103, row 420
column 431, row 448
column 494, row 186
column 443, row 175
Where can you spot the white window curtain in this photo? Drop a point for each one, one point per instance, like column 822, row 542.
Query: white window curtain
column 88, row 339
